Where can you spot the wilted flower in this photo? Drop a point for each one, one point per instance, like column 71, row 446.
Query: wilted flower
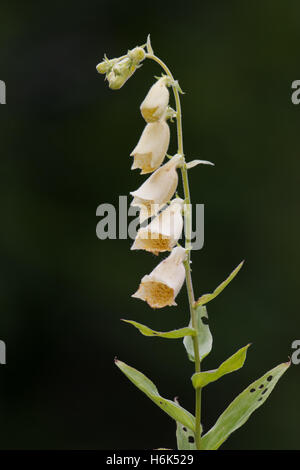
column 155, row 104
column 163, row 232
column 119, row 70
column 160, row 288
column 158, row 189
column 152, row 147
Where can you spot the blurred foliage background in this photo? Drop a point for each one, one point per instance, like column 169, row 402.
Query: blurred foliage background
column 65, row 145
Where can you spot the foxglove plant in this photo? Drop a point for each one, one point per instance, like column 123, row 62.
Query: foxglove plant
column 160, row 288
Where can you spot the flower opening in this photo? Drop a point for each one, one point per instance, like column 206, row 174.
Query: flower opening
column 160, row 288
column 163, row 232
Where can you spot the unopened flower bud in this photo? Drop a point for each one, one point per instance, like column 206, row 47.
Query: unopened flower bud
column 163, row 232
column 155, row 104
column 137, row 55
column 106, row 65
column 158, row 189
column 120, row 69
column 160, row 288
column 152, row 147
column 120, row 73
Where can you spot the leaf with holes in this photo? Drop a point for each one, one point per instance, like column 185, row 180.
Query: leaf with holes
column 235, row 362
column 205, row 298
column 174, row 334
column 204, row 335
column 185, row 438
column 242, row 407
column 147, row 386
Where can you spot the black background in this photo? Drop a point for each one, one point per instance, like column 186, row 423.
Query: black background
column 65, row 144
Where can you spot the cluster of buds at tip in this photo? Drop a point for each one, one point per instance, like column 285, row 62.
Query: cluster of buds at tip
column 118, row 71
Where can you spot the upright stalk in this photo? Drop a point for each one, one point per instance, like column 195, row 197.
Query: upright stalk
column 188, row 232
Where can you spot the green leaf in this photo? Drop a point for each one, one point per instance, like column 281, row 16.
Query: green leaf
column 242, row 407
column 204, row 335
column 235, row 362
column 174, row 334
column 149, row 47
column 205, row 298
column 145, row 385
column 185, row 438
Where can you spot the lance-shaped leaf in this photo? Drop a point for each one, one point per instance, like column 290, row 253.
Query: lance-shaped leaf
column 149, row 47
column 145, row 385
column 235, row 362
column 174, row 334
column 185, row 438
column 242, row 407
column 204, row 336
column 205, row 298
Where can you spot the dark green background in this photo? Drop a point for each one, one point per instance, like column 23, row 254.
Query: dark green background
column 65, row 144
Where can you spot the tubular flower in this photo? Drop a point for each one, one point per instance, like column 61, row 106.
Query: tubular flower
column 160, row 288
column 156, row 102
column 152, row 147
column 163, row 232
column 158, row 189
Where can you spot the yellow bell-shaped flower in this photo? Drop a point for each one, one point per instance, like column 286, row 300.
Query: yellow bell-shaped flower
column 163, row 232
column 158, row 189
column 160, row 288
column 156, row 102
column 152, row 147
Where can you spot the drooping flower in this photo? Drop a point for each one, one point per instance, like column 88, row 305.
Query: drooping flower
column 160, row 288
column 158, row 189
column 152, row 147
column 163, row 232
column 156, row 102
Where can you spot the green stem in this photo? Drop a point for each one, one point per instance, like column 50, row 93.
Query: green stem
column 188, row 232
